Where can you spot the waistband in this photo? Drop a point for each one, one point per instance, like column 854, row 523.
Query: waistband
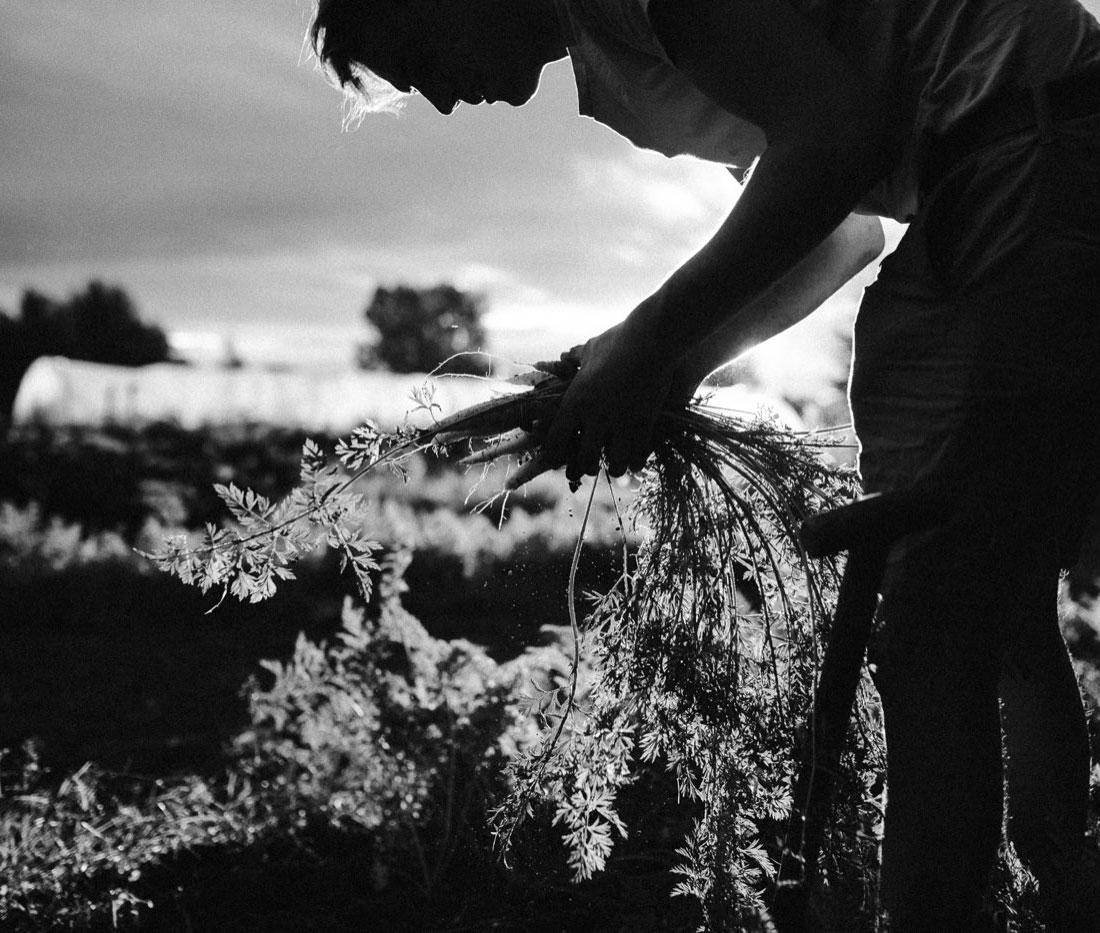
column 1021, row 109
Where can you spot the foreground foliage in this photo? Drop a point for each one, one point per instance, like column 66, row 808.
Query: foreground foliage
column 389, row 731
column 387, row 736
column 705, row 657
column 705, row 653
column 387, row 748
column 361, row 788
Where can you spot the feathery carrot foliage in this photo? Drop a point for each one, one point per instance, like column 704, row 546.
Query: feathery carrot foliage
column 705, row 651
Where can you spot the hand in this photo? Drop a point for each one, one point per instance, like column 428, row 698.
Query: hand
column 686, row 379
column 612, row 403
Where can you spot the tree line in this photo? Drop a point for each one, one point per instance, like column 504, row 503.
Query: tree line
column 438, row 328
column 99, row 323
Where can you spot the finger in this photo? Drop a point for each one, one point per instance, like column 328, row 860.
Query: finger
column 517, row 443
column 640, row 446
column 618, row 454
column 536, row 466
column 563, row 369
column 574, row 356
column 534, row 413
column 637, row 463
column 561, row 438
column 585, row 458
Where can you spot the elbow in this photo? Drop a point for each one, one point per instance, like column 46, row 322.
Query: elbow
column 856, row 243
column 878, row 239
column 866, row 235
column 858, row 238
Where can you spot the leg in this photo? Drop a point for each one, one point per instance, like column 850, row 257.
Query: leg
column 1046, row 742
column 990, row 335
column 1047, row 763
column 937, row 676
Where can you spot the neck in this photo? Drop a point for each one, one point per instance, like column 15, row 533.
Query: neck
column 552, row 30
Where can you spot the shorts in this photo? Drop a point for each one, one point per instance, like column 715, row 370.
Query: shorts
column 977, row 349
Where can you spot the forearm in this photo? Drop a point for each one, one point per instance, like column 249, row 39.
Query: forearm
column 854, row 244
column 764, row 61
column 763, row 262
column 828, row 144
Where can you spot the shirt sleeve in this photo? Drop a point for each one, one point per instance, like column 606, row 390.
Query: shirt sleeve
column 629, row 20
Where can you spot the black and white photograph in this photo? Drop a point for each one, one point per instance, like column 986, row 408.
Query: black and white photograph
column 551, row 466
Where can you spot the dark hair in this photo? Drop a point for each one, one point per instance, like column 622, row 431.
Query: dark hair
column 332, row 35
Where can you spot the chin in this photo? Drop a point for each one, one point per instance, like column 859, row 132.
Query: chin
column 519, row 96
column 520, row 92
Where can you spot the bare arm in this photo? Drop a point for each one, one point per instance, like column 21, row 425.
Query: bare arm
column 857, row 242
column 828, row 143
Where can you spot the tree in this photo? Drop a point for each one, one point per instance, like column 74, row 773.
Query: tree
column 100, row 324
column 419, row 328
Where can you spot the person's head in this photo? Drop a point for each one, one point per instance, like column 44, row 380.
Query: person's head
column 447, row 50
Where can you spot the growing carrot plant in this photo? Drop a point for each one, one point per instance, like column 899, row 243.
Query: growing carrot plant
column 704, row 653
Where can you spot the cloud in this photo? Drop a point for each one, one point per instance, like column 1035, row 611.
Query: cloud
column 676, row 193
column 655, row 212
column 159, row 135
column 479, row 276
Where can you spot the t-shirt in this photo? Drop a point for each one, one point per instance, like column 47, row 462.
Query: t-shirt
column 939, row 59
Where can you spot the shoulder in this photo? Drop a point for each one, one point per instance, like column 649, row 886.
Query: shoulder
column 627, row 21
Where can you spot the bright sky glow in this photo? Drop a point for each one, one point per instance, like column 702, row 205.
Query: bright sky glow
column 186, row 152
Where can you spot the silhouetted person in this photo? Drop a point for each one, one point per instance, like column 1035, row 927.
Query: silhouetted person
column 977, row 350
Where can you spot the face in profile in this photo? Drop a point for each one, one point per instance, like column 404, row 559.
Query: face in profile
column 475, row 51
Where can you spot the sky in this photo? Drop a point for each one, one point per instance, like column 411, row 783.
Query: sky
column 191, row 153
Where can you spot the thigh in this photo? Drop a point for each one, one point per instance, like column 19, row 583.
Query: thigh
column 936, row 664
column 912, row 368
column 976, row 359
column 977, row 349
